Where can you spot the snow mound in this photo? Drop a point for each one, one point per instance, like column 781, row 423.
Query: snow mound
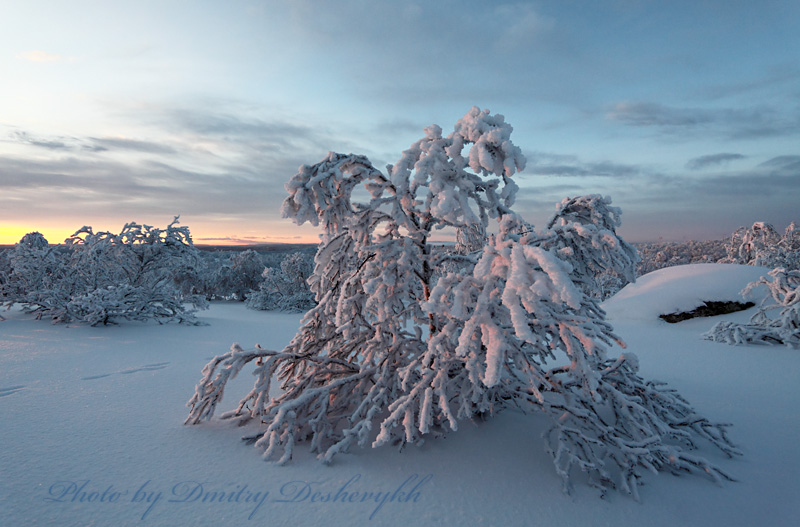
column 683, row 288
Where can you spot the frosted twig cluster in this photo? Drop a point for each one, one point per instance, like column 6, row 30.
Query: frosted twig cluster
column 783, row 295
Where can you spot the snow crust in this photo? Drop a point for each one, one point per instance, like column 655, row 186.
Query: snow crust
column 102, row 408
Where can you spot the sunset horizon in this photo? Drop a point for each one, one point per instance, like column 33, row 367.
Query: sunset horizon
column 685, row 114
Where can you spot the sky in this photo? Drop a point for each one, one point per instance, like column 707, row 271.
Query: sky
column 686, row 113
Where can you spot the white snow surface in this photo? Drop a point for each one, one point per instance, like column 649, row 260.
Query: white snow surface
column 92, row 425
column 683, row 288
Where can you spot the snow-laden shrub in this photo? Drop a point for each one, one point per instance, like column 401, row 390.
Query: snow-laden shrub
column 103, row 277
column 788, row 255
column 783, row 295
column 583, row 232
column 658, row 255
column 207, row 278
column 392, row 354
column 285, row 288
column 5, row 274
column 125, row 301
column 38, row 274
column 230, row 275
column 241, row 276
column 762, row 245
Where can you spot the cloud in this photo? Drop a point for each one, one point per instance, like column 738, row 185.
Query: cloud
column 653, row 114
column 521, row 26
column 89, row 144
column 432, row 53
column 764, row 192
column 734, row 123
column 228, row 125
column 777, row 77
column 101, row 144
column 398, row 127
column 76, row 189
column 699, row 163
column 775, row 179
column 49, row 187
column 219, row 167
column 675, row 205
column 270, row 137
column 557, row 165
column 788, row 165
column 38, row 56
column 26, row 138
column 248, row 240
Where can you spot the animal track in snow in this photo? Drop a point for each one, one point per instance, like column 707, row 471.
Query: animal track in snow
column 11, row 390
column 146, row 367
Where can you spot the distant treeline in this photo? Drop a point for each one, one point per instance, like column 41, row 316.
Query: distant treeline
column 148, row 273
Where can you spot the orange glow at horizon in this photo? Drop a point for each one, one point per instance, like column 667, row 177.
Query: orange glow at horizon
column 10, row 234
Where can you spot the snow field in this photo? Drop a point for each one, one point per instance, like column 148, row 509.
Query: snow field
column 92, row 429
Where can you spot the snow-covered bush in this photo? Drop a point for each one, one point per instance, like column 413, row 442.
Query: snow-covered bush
column 231, row 275
column 242, row 275
column 207, row 278
column 392, row 355
column 762, row 245
column 103, row 277
column 285, row 288
column 129, row 302
column 583, row 232
column 658, row 255
column 757, row 243
column 5, row 268
column 784, row 295
column 789, row 248
column 38, row 274
column 5, row 274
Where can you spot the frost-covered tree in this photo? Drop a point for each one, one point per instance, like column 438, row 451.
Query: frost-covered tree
column 38, row 274
column 757, row 244
column 103, row 277
column 246, row 269
column 397, row 350
column 285, row 288
column 7, row 291
column 131, row 275
column 5, row 274
column 5, row 266
column 762, row 245
column 583, row 232
column 658, row 255
column 783, row 295
column 33, row 240
column 790, row 248
column 204, row 278
column 238, row 276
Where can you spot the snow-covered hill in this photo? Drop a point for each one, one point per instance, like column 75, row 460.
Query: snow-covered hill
column 92, row 432
column 682, row 288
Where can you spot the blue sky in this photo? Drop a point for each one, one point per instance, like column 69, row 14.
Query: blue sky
column 687, row 113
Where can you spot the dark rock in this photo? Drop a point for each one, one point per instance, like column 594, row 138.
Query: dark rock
column 708, row 309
